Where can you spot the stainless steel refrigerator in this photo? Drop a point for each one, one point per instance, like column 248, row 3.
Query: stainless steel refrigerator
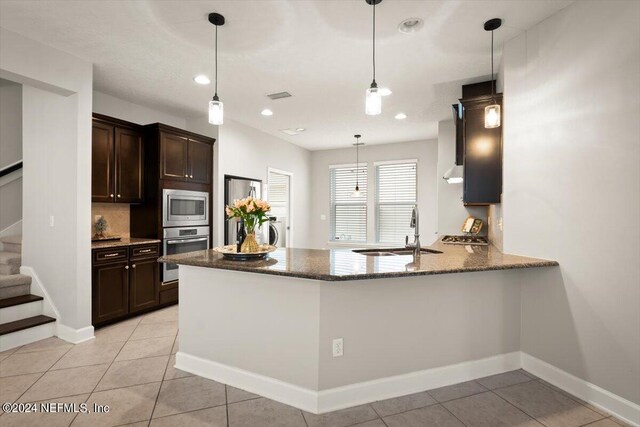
column 239, row 188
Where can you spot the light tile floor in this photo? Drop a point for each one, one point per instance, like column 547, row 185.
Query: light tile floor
column 129, row 366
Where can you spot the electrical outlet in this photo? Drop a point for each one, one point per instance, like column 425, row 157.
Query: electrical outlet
column 51, row 221
column 338, row 347
column 323, row 217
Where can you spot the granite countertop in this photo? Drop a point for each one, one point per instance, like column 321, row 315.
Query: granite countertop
column 343, row 264
column 129, row 241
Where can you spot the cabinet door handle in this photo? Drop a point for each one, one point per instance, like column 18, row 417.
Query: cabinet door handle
column 186, row 176
column 144, row 251
column 133, row 265
column 126, row 267
column 111, row 255
column 111, row 195
column 119, row 195
column 190, row 176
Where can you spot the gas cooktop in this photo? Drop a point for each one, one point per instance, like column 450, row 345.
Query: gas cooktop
column 465, row 240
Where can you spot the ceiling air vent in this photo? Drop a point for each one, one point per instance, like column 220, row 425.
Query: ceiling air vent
column 279, row 95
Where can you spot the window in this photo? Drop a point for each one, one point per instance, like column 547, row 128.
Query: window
column 348, row 213
column 396, row 194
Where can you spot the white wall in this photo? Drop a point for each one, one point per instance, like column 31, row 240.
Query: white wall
column 10, row 152
column 451, row 209
column 572, row 188
column 125, row 110
column 426, row 152
column 56, row 112
column 244, row 151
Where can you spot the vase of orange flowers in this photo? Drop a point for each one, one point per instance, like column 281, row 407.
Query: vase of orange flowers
column 253, row 213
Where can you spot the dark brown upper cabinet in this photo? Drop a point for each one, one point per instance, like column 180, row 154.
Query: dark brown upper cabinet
column 184, row 156
column 174, row 157
column 482, row 160
column 117, row 161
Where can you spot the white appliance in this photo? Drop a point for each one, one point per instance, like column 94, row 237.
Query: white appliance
column 184, row 208
column 182, row 240
column 278, row 231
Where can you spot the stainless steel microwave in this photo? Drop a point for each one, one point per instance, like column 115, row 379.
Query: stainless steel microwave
column 184, row 208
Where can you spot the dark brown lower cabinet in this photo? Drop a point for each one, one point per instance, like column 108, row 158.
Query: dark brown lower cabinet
column 144, row 281
column 110, row 291
column 125, row 281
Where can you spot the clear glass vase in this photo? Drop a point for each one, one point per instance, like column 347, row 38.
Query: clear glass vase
column 250, row 243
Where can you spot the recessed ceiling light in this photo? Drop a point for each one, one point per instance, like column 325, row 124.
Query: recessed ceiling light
column 410, row 25
column 385, row 91
column 300, row 129
column 266, row 112
column 401, row 116
column 201, row 79
column 292, row 132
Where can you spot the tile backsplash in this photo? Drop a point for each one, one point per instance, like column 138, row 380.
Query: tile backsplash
column 116, row 214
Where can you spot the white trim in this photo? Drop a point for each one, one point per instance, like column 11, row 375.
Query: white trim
column 37, row 288
column 348, row 165
column 74, row 336
column 289, row 231
column 271, row 388
column 395, row 162
column 26, row 336
column 14, row 229
column 16, row 174
column 350, row 395
column 591, row 393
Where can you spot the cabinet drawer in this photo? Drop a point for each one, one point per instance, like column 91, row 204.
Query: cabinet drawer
column 110, row 255
column 148, row 251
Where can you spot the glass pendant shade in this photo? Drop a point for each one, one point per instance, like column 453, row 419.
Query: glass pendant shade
column 356, row 192
column 454, row 175
column 373, row 105
column 216, row 112
column 492, row 116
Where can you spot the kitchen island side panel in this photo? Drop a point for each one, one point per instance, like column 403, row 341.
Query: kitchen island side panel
column 403, row 325
column 267, row 325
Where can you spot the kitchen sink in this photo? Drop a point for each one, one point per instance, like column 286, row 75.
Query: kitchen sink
column 393, row 252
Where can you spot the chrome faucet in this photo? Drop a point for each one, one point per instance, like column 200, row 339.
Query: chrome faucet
column 415, row 224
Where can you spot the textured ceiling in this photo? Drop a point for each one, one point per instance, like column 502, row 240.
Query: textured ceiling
column 147, row 52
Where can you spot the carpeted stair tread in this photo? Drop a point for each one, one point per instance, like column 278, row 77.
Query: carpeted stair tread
column 14, row 279
column 10, row 258
column 29, row 322
column 13, row 240
column 22, row 299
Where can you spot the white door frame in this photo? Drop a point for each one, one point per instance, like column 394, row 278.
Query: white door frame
column 289, row 234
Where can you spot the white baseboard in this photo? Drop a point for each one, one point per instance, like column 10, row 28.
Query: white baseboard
column 26, row 336
column 271, row 388
column 618, row 406
column 351, row 395
column 414, row 382
column 74, row 336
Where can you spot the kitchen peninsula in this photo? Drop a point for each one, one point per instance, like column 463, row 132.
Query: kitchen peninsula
column 271, row 326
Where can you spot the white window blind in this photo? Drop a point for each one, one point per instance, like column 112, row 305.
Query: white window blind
column 396, row 194
column 348, row 213
column 278, row 188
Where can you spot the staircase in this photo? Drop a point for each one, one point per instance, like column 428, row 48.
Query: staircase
column 21, row 318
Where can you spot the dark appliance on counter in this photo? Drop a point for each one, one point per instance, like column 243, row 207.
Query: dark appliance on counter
column 465, row 240
column 181, row 240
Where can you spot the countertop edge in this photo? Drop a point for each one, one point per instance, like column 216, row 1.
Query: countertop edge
column 345, row 278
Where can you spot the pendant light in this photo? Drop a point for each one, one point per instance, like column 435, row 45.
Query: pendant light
column 216, row 107
column 492, row 112
column 373, row 102
column 356, row 192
